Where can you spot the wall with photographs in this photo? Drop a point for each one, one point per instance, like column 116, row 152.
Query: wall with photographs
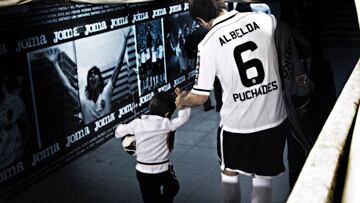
column 70, row 73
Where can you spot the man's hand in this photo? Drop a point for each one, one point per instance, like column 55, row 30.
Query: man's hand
column 52, row 54
column 180, row 98
column 189, row 99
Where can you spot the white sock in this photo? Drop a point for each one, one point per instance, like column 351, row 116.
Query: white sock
column 261, row 190
column 231, row 188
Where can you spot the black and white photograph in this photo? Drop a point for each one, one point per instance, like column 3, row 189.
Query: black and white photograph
column 151, row 57
column 53, row 72
column 177, row 27
column 106, row 71
column 86, row 80
column 16, row 121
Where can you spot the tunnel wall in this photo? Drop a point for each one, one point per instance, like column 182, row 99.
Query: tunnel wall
column 48, row 116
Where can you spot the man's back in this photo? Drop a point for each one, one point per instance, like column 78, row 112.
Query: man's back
column 240, row 50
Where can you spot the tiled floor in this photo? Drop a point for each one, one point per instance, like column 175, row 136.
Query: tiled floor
column 107, row 173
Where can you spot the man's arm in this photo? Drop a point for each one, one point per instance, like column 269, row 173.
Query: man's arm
column 52, row 55
column 189, row 99
column 126, row 33
column 107, row 91
column 172, row 46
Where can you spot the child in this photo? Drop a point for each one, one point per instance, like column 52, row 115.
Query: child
column 152, row 133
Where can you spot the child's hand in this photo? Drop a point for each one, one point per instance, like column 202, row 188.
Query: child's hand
column 180, row 98
column 178, row 91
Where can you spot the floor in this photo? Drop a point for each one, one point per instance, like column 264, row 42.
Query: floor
column 107, row 173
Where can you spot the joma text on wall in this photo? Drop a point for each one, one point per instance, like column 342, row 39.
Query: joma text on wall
column 70, row 73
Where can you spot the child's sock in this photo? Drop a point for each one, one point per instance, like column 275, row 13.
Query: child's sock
column 261, row 190
column 231, row 188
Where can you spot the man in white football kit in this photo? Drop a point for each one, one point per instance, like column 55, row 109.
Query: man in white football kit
column 239, row 49
column 152, row 134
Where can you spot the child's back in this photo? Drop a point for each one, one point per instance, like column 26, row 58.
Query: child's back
column 152, row 133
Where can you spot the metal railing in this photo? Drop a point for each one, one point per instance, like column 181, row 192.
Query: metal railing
column 357, row 5
column 318, row 177
column 351, row 192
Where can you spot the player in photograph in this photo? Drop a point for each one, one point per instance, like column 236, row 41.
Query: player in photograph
column 160, row 73
column 98, row 93
column 176, row 46
column 142, row 68
column 151, row 57
column 12, row 116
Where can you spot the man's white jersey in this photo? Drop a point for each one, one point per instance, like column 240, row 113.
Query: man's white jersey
column 240, row 51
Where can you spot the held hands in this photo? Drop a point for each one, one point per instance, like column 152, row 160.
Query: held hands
column 180, row 98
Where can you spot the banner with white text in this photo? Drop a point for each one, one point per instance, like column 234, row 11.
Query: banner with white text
column 69, row 74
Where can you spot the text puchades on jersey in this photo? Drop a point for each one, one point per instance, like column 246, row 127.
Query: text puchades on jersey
column 255, row 92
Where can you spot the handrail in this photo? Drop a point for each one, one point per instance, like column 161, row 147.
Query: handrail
column 317, row 179
column 352, row 185
column 4, row 3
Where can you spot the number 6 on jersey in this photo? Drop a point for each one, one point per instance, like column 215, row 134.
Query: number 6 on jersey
column 251, row 72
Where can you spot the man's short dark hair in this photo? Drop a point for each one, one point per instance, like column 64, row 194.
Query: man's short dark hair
column 162, row 103
column 206, row 9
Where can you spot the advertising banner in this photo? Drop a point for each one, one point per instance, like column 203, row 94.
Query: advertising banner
column 69, row 74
